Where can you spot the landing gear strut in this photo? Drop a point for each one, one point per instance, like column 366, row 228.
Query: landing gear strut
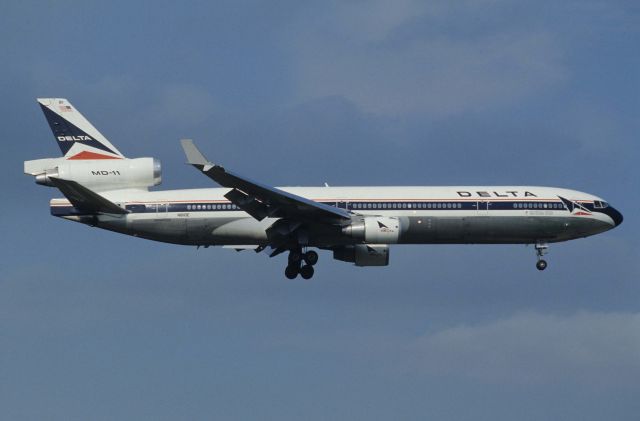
column 295, row 266
column 541, row 250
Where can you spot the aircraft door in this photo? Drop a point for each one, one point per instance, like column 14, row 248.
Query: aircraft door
column 483, row 207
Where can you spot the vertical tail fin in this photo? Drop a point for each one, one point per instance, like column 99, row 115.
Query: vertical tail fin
column 76, row 137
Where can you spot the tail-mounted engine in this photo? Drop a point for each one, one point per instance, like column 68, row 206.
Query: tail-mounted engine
column 374, row 229
column 98, row 174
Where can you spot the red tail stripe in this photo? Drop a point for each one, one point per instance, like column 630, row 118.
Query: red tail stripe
column 92, row 155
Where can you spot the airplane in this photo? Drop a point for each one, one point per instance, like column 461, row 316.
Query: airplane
column 105, row 189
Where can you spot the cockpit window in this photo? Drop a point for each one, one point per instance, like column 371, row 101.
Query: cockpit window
column 599, row 204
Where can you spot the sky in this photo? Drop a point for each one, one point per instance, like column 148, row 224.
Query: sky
column 96, row 325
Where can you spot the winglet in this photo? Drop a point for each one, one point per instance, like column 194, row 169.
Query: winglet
column 194, row 156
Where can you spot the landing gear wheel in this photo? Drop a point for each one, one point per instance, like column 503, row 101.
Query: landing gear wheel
column 541, row 264
column 306, row 271
column 311, row 257
column 541, row 249
column 291, row 272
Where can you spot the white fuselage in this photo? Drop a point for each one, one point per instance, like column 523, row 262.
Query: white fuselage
column 104, row 188
column 452, row 214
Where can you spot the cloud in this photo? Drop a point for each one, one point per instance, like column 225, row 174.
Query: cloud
column 590, row 348
column 406, row 58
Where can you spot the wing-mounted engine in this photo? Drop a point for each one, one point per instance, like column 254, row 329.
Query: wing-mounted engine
column 363, row 254
column 98, row 174
column 374, row 229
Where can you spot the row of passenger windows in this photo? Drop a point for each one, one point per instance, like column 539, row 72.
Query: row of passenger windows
column 218, row 206
column 420, row 205
column 391, row 205
column 535, row 205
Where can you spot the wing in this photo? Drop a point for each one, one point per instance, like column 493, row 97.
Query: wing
column 259, row 200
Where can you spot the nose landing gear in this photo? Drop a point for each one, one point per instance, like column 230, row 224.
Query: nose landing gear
column 295, row 266
column 541, row 250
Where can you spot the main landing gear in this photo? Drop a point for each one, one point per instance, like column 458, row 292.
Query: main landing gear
column 296, row 266
column 541, row 250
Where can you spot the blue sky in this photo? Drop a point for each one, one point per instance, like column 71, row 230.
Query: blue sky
column 94, row 325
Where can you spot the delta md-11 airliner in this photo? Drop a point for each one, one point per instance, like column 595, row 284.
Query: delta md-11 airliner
column 104, row 189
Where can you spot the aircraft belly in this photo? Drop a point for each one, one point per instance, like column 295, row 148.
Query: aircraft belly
column 483, row 229
column 419, row 230
column 241, row 231
column 169, row 230
column 194, row 231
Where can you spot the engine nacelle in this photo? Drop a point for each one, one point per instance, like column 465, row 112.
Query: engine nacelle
column 363, row 254
column 374, row 229
column 99, row 175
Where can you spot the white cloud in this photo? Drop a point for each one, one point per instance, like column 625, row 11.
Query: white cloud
column 590, row 348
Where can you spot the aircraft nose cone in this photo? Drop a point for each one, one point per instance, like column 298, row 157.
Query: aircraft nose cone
column 616, row 216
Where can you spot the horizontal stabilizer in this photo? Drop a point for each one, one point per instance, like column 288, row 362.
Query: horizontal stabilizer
column 84, row 199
